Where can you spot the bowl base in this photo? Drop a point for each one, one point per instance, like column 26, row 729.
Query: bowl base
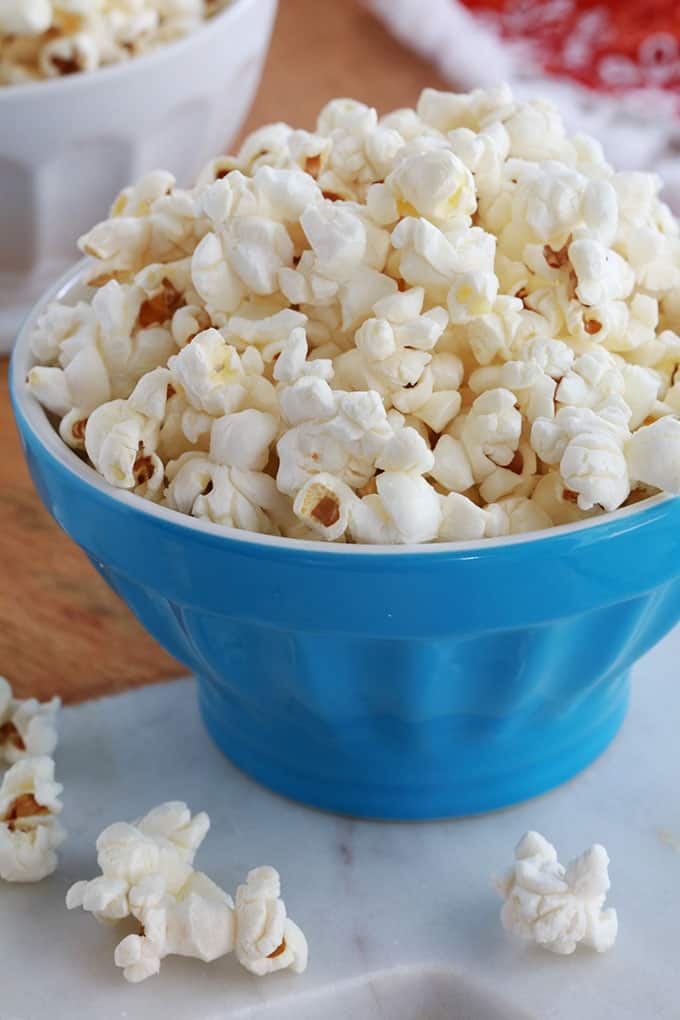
column 473, row 772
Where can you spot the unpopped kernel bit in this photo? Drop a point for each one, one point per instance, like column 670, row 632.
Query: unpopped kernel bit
column 558, row 907
column 147, row 873
column 448, row 323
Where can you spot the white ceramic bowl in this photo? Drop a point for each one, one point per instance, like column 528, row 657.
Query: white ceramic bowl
column 67, row 146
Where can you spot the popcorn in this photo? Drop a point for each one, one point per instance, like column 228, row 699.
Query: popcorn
column 267, row 940
column 230, row 501
column 556, row 907
column 515, row 515
column 29, row 831
column 490, row 432
column 452, row 468
column 589, row 447
column 198, row 922
column 27, row 728
column 25, row 17
column 534, row 390
column 602, row 274
column 558, row 502
column 243, row 439
column 345, row 445
column 448, row 323
column 161, row 845
column 210, row 373
column 518, row 478
column 462, row 520
column 324, row 504
column 653, row 455
column 557, row 203
column 120, row 442
column 434, row 184
column 50, row 38
column 148, row 874
column 591, row 381
column 405, row 509
column 406, row 451
column 50, row 388
column 68, row 55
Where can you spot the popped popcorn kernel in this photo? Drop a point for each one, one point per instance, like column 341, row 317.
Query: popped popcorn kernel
column 147, row 873
column 448, row 323
column 557, row 907
column 267, row 940
column 28, row 728
column 30, row 834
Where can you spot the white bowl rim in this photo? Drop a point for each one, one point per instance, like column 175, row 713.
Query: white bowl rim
column 85, row 79
column 37, row 419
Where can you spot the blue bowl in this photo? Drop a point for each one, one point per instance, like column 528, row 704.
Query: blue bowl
column 411, row 682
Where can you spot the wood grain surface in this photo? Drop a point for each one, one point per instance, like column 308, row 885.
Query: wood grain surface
column 61, row 629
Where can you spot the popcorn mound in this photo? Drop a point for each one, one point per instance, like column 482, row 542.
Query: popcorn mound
column 448, row 323
column 52, row 38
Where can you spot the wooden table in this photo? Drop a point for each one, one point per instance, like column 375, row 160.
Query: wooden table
column 61, row 629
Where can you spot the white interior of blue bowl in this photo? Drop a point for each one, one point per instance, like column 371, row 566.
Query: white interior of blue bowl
column 231, row 13
column 71, row 287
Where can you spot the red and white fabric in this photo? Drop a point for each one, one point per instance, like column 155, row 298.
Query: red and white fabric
column 612, row 66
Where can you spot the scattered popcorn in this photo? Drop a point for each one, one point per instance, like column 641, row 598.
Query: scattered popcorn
column 448, row 323
column 558, row 907
column 266, row 939
column 29, row 831
column 51, row 38
column 162, row 844
column 198, row 921
column 27, row 728
column 148, row 874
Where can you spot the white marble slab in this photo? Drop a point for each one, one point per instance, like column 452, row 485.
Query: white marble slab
column 401, row 920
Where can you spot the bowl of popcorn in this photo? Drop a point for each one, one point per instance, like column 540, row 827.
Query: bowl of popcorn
column 94, row 93
column 382, row 446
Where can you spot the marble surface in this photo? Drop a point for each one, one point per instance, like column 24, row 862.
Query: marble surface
column 401, row 919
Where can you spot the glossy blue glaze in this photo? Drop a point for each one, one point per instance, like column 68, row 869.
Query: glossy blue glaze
column 393, row 684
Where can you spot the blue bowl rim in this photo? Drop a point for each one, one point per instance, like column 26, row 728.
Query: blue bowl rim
column 29, row 89
column 31, row 416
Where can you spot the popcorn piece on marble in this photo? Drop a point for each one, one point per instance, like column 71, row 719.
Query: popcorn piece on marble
column 556, row 907
column 198, row 922
column 28, row 728
column 148, row 874
column 29, row 831
column 266, row 938
column 161, row 845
